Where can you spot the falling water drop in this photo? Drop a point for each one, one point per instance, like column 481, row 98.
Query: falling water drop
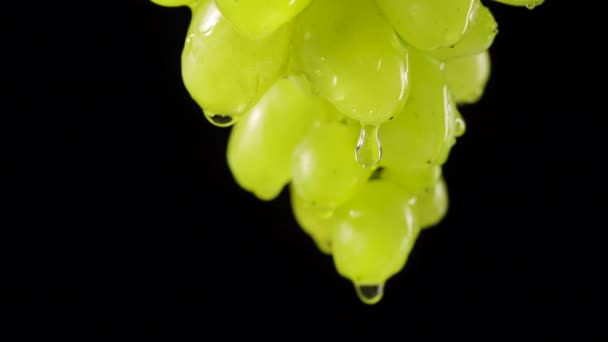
column 370, row 294
column 369, row 149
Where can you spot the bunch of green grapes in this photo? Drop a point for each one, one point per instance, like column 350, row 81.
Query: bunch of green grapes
column 353, row 104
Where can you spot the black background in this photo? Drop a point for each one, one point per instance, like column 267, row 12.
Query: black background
column 123, row 216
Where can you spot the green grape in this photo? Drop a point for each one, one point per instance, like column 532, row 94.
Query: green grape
column 476, row 40
column 261, row 144
column 305, row 81
column 373, row 235
column 413, row 181
column 528, row 3
column 324, row 170
column 431, row 205
column 315, row 221
column 173, row 3
column 353, row 58
column 418, row 137
column 224, row 72
column 257, row 19
column 467, row 77
column 430, row 24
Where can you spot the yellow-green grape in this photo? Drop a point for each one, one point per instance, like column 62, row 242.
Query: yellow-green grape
column 430, row 24
column 467, row 77
column 418, row 137
column 324, row 170
column 373, row 236
column 528, row 3
column 174, row 3
column 413, row 181
column 431, row 205
column 477, row 39
column 261, row 144
column 315, row 221
column 257, row 19
column 224, row 72
column 306, row 81
column 353, row 58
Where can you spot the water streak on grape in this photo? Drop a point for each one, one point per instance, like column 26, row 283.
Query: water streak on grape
column 370, row 294
column 369, row 149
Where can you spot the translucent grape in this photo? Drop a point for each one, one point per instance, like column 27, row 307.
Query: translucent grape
column 374, row 234
column 257, row 19
column 418, row 137
column 353, row 103
column 353, row 58
column 467, row 77
column 431, row 205
column 315, row 221
column 224, row 72
column 476, row 40
column 262, row 143
column 430, row 24
column 324, row 169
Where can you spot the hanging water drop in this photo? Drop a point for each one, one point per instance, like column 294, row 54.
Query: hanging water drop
column 460, row 127
column 369, row 148
column 531, row 5
column 220, row 120
column 370, row 294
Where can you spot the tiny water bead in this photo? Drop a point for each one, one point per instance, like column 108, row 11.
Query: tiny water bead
column 220, row 120
column 369, row 148
column 303, row 83
column 529, row 4
column 370, row 294
column 460, row 126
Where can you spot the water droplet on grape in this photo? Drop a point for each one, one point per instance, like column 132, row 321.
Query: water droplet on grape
column 530, row 5
column 452, row 37
column 369, row 148
column 323, row 212
column 370, row 294
column 459, row 127
column 220, row 120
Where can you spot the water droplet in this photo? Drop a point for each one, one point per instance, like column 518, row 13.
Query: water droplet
column 459, row 127
column 370, row 294
column 369, row 148
column 323, row 212
column 531, row 5
column 220, row 120
column 452, row 37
